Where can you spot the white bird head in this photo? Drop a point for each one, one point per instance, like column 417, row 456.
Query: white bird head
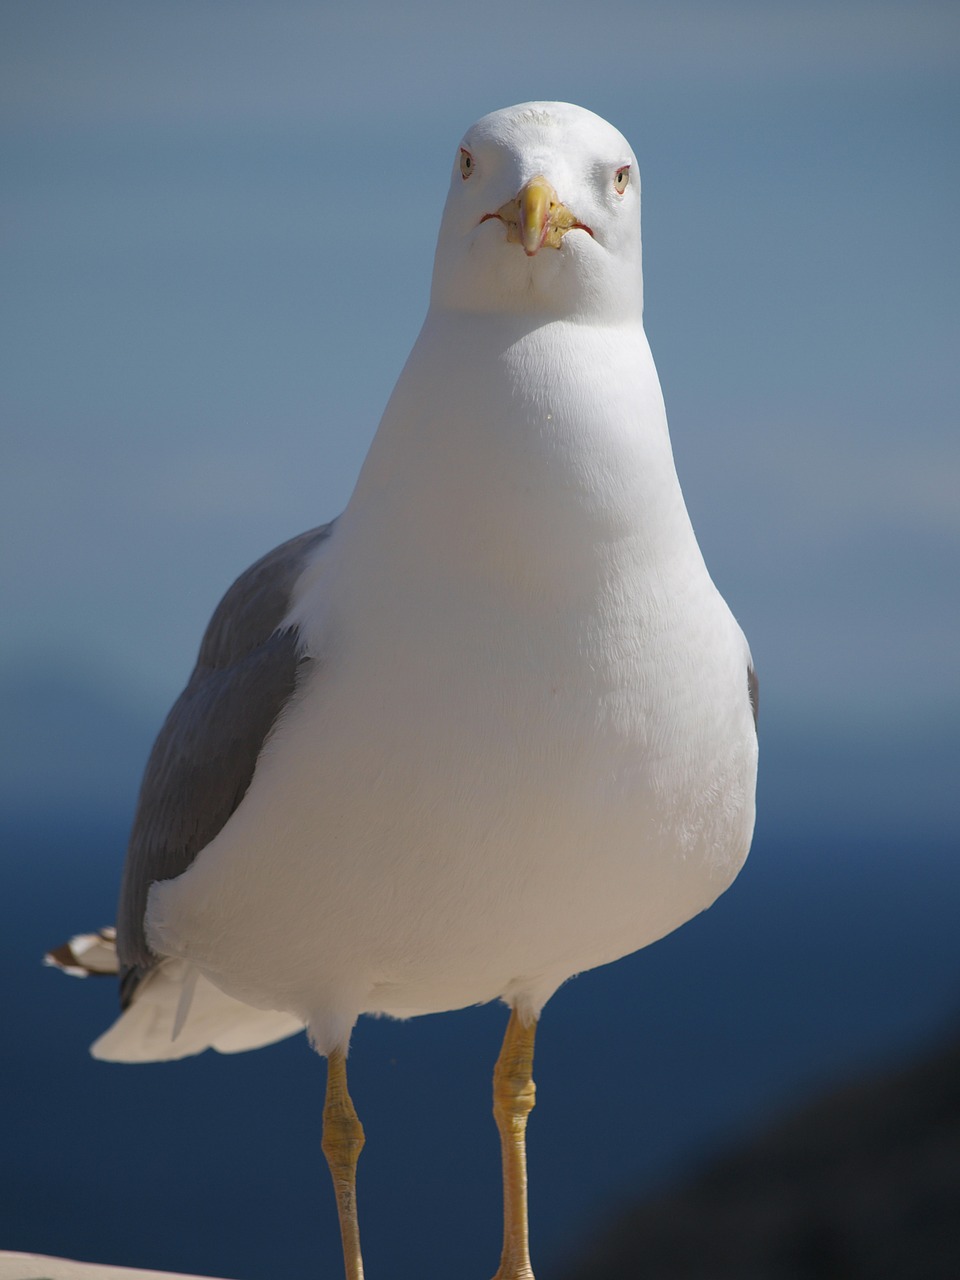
column 542, row 217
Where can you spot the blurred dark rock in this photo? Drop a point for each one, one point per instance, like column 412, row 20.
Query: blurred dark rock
column 863, row 1184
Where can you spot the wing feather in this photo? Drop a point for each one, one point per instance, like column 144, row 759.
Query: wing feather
column 204, row 757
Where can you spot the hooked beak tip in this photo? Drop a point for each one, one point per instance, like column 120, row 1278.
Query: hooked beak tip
column 536, row 201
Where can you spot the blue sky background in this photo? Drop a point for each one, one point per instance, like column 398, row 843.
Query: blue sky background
column 218, row 223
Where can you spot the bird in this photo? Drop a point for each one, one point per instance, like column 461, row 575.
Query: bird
column 492, row 726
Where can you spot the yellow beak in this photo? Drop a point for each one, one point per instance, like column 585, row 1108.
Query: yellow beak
column 535, row 217
column 534, row 203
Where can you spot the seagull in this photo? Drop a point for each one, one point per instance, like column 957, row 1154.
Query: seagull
column 491, row 727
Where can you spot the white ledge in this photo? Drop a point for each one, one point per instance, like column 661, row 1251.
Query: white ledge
column 35, row 1266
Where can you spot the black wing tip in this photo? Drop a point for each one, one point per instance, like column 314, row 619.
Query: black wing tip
column 86, row 955
column 753, row 689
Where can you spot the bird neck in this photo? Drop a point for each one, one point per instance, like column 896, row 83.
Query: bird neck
column 523, row 441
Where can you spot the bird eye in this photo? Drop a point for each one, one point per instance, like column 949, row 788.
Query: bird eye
column 467, row 163
column 621, row 178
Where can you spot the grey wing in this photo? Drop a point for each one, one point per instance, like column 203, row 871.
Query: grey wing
column 204, row 757
column 753, row 689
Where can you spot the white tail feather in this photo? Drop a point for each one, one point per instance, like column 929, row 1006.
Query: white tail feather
column 168, row 1020
column 185, row 1001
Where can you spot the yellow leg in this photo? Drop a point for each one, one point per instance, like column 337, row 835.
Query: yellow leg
column 342, row 1144
column 514, row 1094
